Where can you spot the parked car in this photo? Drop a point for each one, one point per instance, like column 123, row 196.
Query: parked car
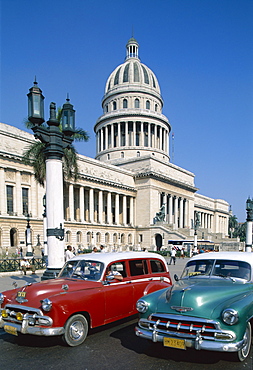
column 92, row 290
column 210, row 307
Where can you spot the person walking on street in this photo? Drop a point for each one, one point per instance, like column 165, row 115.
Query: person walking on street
column 173, row 256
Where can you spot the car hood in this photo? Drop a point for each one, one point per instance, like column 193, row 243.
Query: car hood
column 32, row 294
column 200, row 296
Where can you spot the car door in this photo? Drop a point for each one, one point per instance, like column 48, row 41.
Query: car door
column 119, row 301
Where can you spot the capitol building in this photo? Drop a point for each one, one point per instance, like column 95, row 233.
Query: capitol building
column 130, row 196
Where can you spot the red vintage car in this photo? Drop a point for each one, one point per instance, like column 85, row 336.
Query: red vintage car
column 92, row 290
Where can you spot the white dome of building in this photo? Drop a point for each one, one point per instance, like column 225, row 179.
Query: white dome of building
column 132, row 124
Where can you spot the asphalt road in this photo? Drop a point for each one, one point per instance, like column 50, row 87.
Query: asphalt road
column 113, row 346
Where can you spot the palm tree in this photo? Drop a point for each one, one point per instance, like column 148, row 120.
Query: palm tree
column 232, row 224
column 34, row 155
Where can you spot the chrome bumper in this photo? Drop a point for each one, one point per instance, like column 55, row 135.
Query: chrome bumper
column 198, row 343
column 24, row 327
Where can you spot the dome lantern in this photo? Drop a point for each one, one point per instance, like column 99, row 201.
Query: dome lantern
column 132, row 48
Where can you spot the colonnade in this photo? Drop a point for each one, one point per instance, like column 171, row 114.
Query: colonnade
column 176, row 210
column 206, row 220
column 84, row 204
column 132, row 133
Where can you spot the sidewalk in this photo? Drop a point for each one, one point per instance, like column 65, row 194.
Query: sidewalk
column 10, row 280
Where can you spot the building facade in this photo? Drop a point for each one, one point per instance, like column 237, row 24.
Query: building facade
column 130, row 195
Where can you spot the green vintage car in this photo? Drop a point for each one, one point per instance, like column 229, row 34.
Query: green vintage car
column 210, row 307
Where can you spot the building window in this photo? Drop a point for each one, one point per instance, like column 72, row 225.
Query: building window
column 138, row 154
column 147, row 104
column 67, row 237
column 114, row 105
column 107, row 238
column 156, row 107
column 137, row 103
column 108, row 156
column 9, row 193
column 125, row 105
column 89, row 238
column 98, row 238
column 78, row 237
column 25, row 201
column 122, row 154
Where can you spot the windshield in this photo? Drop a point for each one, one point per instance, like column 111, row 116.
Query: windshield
column 82, row 269
column 221, row 268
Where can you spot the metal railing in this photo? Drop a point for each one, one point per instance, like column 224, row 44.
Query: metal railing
column 13, row 264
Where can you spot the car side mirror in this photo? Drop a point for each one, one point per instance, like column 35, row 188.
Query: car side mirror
column 176, row 277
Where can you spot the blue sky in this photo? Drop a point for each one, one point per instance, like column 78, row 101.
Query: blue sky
column 200, row 50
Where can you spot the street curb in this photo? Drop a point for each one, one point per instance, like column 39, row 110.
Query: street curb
column 13, row 273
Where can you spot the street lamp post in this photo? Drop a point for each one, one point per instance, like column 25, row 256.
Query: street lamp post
column 55, row 142
column 249, row 219
column 29, row 252
column 196, row 226
column 45, row 229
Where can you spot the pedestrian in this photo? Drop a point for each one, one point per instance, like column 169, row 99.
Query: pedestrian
column 173, row 256
column 25, row 265
column 21, row 252
column 182, row 253
column 69, row 254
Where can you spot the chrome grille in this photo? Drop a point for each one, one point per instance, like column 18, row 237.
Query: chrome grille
column 183, row 326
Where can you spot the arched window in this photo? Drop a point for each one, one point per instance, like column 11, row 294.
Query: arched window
column 156, row 107
column 115, row 235
column 13, row 238
column 107, row 237
column 137, row 103
column 129, row 238
column 98, row 237
column 147, row 104
column 79, row 237
column 122, row 238
column 88, row 237
column 122, row 154
column 114, row 105
column 67, row 236
column 108, row 156
column 125, row 105
column 138, row 154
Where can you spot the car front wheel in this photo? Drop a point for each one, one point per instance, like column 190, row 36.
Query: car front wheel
column 243, row 353
column 76, row 330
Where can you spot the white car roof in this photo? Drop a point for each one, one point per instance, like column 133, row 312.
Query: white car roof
column 108, row 257
column 235, row 256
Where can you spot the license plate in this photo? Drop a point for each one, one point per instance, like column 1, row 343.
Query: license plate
column 21, row 294
column 10, row 329
column 174, row 343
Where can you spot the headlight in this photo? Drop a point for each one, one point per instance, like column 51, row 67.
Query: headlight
column 1, row 298
column 46, row 304
column 142, row 306
column 230, row 316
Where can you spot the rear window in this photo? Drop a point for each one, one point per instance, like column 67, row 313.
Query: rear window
column 138, row 267
column 156, row 266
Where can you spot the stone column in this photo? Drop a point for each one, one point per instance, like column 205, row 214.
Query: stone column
column 106, row 137
column 81, row 205
column 131, row 211
column 180, row 213
column 109, row 208
column 117, row 208
column 112, row 136
column 134, row 133
column 19, row 207
column 149, row 135
column 170, row 209
column 102, row 139
column 126, row 134
column 141, row 142
column 91, row 204
column 3, row 202
column 100, row 206
column 176, row 212
column 71, row 202
column 119, row 135
column 124, row 209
